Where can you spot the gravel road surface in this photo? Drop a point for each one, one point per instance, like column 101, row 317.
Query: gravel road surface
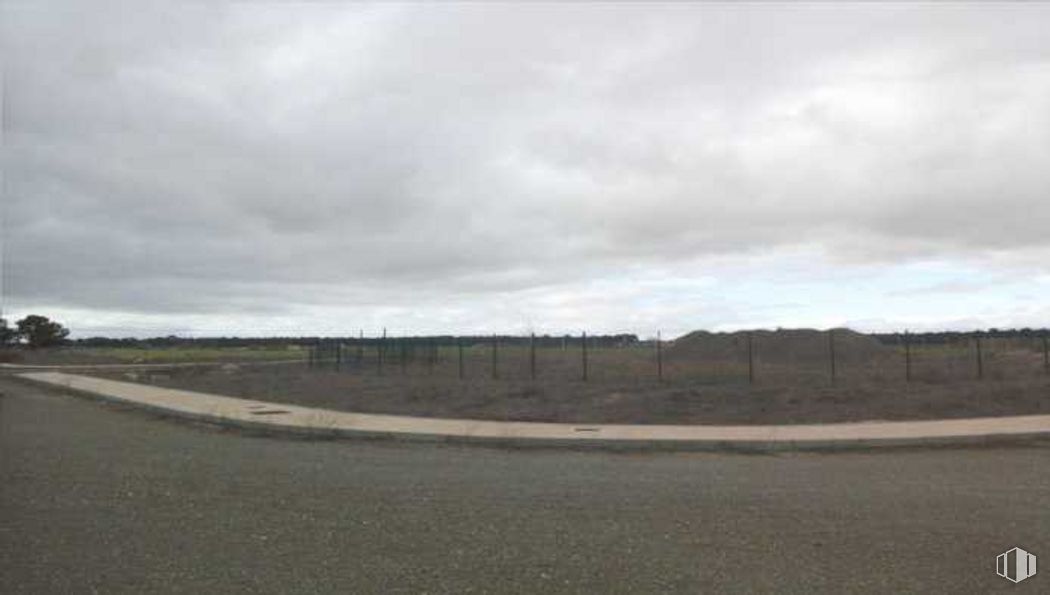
column 94, row 498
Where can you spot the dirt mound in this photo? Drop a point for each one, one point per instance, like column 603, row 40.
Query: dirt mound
column 779, row 346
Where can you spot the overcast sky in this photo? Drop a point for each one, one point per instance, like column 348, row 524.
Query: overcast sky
column 322, row 168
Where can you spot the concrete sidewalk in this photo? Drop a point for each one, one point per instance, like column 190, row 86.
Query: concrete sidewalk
column 281, row 418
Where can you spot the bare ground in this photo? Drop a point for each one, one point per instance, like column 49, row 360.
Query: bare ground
column 625, row 390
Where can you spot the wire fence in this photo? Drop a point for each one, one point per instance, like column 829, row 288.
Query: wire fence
column 752, row 358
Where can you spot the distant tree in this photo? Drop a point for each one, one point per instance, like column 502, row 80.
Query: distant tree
column 8, row 335
column 40, row 331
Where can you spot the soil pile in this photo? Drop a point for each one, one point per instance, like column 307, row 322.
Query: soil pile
column 779, row 346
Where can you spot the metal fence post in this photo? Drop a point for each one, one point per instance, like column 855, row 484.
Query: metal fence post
column 750, row 358
column 1046, row 354
column 980, row 362
column 907, row 356
column 380, row 348
column 459, row 348
column 583, row 345
column 659, row 359
column 532, row 355
column 831, row 354
column 431, row 355
column 495, row 357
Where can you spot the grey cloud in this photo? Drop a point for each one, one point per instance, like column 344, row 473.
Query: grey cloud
column 190, row 158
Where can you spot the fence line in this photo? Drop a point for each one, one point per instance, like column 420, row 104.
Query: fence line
column 605, row 360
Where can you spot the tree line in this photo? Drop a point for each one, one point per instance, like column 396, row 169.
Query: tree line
column 944, row 337
column 546, row 340
column 34, row 331
column 39, row 331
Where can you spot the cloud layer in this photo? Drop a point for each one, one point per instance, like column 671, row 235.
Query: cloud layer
column 487, row 166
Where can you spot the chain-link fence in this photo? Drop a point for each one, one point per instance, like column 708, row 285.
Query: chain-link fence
column 758, row 357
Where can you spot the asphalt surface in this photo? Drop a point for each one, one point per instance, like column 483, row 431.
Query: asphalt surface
column 94, row 498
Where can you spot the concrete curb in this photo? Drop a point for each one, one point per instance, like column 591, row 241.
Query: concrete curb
column 277, row 418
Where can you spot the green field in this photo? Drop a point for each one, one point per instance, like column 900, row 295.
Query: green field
column 193, row 354
column 153, row 355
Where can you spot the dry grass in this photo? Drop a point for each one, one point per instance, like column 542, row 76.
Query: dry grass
column 622, row 386
column 144, row 355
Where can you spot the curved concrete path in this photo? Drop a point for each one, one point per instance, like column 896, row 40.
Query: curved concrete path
column 263, row 415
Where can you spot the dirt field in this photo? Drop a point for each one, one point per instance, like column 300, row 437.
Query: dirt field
column 622, row 386
column 706, row 378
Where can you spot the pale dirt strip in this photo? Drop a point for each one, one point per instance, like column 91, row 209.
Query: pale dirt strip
column 322, row 422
